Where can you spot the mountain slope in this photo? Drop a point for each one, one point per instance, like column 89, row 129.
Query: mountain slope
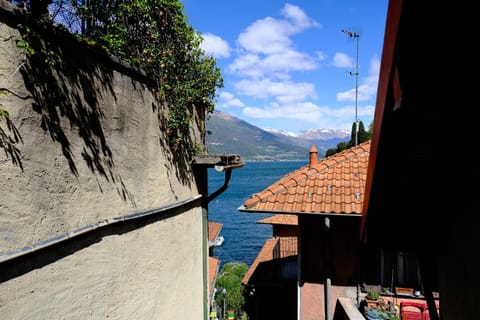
column 232, row 135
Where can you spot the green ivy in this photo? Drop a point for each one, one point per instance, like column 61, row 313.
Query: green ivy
column 155, row 36
column 28, row 45
column 152, row 35
column 3, row 113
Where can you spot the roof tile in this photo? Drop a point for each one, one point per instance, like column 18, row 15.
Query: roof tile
column 213, row 230
column 335, row 184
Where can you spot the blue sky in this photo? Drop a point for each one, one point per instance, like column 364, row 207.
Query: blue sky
column 288, row 65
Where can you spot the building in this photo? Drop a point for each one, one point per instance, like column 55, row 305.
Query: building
column 100, row 216
column 421, row 184
column 325, row 199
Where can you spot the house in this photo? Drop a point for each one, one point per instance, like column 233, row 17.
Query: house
column 320, row 204
column 214, row 229
column 271, row 280
column 422, row 181
column 422, row 184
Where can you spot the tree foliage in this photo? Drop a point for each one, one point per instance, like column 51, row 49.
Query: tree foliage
column 154, row 36
column 230, row 279
column 363, row 136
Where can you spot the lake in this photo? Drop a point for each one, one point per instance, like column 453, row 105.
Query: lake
column 244, row 237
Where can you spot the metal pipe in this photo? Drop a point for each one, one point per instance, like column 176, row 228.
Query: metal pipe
column 328, row 281
column 90, row 228
column 299, row 272
column 205, row 260
column 226, row 183
column 356, row 36
column 205, row 202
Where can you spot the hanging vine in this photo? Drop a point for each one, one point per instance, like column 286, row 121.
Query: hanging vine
column 152, row 35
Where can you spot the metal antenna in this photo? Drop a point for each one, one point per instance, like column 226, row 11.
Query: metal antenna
column 355, row 36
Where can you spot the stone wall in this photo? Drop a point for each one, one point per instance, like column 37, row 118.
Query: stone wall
column 90, row 150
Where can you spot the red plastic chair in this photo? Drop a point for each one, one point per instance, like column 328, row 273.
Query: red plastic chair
column 412, row 310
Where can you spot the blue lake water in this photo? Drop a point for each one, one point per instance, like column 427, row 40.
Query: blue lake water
column 244, row 237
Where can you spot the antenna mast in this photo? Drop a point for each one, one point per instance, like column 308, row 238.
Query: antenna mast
column 356, row 36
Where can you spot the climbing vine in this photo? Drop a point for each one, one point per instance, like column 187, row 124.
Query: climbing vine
column 153, row 35
column 29, row 44
column 7, row 142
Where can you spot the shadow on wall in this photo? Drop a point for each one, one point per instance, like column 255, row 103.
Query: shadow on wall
column 10, row 137
column 66, row 80
column 36, row 258
column 66, row 84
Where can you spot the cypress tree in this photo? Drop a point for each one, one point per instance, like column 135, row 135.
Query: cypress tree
column 362, row 133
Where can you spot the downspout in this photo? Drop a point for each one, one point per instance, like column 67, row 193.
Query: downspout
column 206, row 200
column 299, row 272
column 328, row 281
column 205, row 260
column 226, row 183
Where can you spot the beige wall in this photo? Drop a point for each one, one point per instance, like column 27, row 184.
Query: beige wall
column 92, row 151
column 149, row 273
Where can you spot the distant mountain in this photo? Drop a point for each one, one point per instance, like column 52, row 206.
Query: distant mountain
column 229, row 134
column 325, row 134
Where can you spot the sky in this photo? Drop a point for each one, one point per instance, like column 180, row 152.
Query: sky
column 292, row 65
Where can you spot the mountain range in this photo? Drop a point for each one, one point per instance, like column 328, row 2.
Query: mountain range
column 227, row 134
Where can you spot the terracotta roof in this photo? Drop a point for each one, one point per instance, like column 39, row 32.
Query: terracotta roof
column 274, row 248
column 265, row 254
column 335, row 184
column 213, row 230
column 213, row 265
column 288, row 246
column 281, row 219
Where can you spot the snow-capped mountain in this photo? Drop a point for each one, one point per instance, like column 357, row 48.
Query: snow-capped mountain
column 324, row 134
column 229, row 134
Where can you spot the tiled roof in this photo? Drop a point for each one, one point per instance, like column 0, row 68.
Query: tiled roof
column 274, row 248
column 213, row 265
column 265, row 254
column 335, row 184
column 213, row 230
column 281, row 219
column 288, row 246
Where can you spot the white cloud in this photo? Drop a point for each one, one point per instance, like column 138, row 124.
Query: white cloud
column 342, row 60
column 300, row 21
column 276, row 65
column 281, row 91
column 227, row 99
column 215, row 46
column 266, row 47
column 261, row 77
column 265, row 36
column 305, row 111
column 367, row 89
column 321, row 55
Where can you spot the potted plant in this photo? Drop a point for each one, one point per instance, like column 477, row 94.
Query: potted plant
column 373, row 295
column 375, row 314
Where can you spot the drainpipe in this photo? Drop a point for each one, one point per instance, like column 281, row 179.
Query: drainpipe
column 299, row 272
column 59, row 239
column 201, row 176
column 226, row 183
column 328, row 281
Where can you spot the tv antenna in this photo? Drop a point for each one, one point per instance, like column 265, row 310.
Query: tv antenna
column 355, row 36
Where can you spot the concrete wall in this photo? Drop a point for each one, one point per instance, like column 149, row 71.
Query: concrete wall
column 91, row 149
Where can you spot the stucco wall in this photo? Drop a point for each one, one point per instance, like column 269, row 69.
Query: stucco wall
column 91, row 150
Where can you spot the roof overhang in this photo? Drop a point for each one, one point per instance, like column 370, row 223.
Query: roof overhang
column 220, row 162
column 300, row 213
column 425, row 120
